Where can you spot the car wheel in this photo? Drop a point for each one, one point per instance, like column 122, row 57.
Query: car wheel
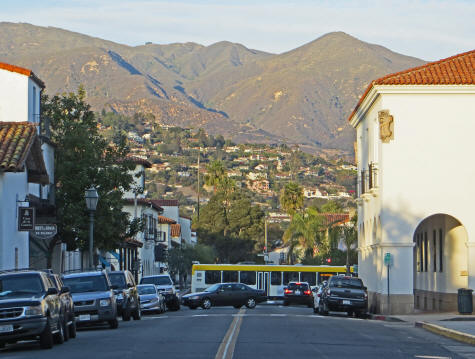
column 193, row 307
column 46, row 338
column 251, row 303
column 59, row 336
column 126, row 315
column 137, row 313
column 350, row 313
column 322, row 309
column 176, row 305
column 206, row 303
column 72, row 329
column 114, row 323
column 2, row 345
column 164, row 308
column 315, row 310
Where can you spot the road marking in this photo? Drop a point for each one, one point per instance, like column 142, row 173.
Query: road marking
column 226, row 348
column 430, row 357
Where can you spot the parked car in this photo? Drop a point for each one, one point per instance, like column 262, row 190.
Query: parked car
column 298, row 293
column 150, row 299
column 126, row 295
column 94, row 299
column 67, row 306
column 317, row 293
column 30, row 308
column 165, row 286
column 344, row 294
column 223, row 294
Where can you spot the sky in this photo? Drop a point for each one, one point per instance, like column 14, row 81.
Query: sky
column 427, row 29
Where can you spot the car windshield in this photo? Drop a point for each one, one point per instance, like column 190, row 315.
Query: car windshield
column 346, row 283
column 96, row 283
column 20, row 286
column 164, row 280
column 147, row 290
column 213, row 288
column 118, row 280
column 300, row 286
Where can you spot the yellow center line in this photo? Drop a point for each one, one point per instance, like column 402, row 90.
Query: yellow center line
column 226, row 348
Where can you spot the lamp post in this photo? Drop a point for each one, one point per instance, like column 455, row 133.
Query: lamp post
column 91, row 202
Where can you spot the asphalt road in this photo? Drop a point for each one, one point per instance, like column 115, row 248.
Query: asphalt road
column 269, row 331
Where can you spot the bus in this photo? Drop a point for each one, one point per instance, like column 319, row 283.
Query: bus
column 268, row 277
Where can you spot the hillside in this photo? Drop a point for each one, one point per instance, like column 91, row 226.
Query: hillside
column 302, row 96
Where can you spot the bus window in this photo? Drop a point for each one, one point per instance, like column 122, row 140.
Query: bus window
column 212, row 276
column 275, row 278
column 230, row 276
column 291, row 277
column 308, row 277
column 248, row 277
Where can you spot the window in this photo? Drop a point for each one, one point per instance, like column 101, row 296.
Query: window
column 227, row 287
column 230, row 276
column 276, row 278
column 240, row 287
column 441, row 250
column 426, row 244
column 308, row 277
column 248, row 277
column 434, row 254
column 212, row 276
column 291, row 277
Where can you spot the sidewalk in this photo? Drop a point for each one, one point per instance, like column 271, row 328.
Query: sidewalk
column 460, row 327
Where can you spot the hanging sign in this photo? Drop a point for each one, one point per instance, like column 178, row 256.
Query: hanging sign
column 45, row 231
column 26, row 219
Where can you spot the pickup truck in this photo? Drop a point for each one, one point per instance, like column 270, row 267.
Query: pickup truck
column 344, row 294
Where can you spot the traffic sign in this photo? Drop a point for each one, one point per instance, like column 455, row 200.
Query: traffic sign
column 387, row 259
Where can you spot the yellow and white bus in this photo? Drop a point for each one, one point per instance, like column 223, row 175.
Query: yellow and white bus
column 271, row 278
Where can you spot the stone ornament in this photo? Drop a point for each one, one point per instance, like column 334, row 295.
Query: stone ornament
column 386, row 126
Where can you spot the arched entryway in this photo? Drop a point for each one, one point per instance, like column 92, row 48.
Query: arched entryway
column 440, row 263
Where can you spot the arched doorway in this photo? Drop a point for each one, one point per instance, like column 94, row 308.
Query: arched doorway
column 440, row 263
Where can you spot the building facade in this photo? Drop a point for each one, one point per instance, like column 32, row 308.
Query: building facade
column 414, row 146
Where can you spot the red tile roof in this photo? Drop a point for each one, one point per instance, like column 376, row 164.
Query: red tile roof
column 139, row 161
column 175, row 230
column 334, row 219
column 166, row 202
column 455, row 70
column 165, row 220
column 22, row 71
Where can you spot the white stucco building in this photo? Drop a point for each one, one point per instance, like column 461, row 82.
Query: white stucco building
column 414, row 149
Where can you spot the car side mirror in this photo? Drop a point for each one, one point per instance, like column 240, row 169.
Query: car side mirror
column 65, row 289
column 51, row 291
column 130, row 285
column 365, row 288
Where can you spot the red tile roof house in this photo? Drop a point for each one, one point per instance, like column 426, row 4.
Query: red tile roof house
column 415, row 143
column 20, row 91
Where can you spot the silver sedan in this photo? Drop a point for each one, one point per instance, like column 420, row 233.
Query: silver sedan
column 150, row 299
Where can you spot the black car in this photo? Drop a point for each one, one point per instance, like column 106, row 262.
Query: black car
column 30, row 308
column 67, row 306
column 223, row 294
column 344, row 294
column 298, row 293
column 94, row 299
column 127, row 296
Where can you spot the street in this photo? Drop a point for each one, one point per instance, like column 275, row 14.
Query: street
column 269, row 331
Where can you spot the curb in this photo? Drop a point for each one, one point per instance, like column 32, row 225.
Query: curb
column 384, row 318
column 446, row 332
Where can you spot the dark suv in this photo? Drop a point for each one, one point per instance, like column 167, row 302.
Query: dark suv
column 298, row 293
column 126, row 294
column 344, row 294
column 94, row 299
column 30, row 308
column 67, row 306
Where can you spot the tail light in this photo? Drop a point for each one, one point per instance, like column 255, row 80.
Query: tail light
column 365, row 295
column 318, row 295
column 287, row 291
column 308, row 292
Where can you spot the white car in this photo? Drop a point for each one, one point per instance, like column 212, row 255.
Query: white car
column 317, row 292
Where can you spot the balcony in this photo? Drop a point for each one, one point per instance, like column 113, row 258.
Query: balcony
column 368, row 182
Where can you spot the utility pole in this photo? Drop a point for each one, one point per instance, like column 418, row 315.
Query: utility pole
column 198, row 208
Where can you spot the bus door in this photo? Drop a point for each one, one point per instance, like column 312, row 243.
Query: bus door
column 263, row 281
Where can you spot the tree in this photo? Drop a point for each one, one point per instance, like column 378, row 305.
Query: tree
column 291, row 198
column 305, row 231
column 332, row 207
column 350, row 238
column 83, row 158
column 216, row 174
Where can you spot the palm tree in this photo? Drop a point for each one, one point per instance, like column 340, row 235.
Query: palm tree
column 305, row 231
column 216, row 174
column 350, row 238
column 291, row 198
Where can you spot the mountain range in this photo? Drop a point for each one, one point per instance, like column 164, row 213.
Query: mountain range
column 303, row 96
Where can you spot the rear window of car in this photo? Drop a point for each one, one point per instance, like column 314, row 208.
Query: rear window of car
column 163, row 280
column 118, row 280
column 346, row 283
column 93, row 283
column 302, row 286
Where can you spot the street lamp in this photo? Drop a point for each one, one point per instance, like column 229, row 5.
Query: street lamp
column 91, row 202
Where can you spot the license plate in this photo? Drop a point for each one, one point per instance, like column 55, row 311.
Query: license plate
column 297, row 292
column 6, row 328
column 347, row 302
column 84, row 317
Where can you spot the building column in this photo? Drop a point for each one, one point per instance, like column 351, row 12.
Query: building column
column 471, row 265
